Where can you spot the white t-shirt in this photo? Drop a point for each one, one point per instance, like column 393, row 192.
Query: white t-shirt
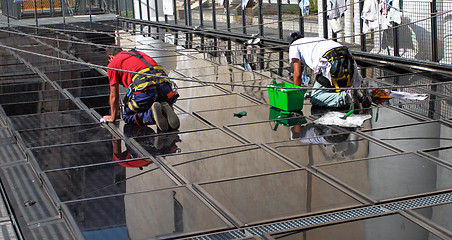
column 310, row 50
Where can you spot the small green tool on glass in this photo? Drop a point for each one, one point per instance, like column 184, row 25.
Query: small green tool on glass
column 347, row 114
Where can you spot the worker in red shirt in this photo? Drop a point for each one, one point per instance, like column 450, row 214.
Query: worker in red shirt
column 149, row 99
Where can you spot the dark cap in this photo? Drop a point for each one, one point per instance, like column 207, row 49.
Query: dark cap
column 294, row 36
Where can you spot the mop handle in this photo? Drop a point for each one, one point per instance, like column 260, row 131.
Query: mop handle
column 349, row 113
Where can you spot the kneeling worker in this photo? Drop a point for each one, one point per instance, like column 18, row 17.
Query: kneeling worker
column 149, row 99
column 334, row 68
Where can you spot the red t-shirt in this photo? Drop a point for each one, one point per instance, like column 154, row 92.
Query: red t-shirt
column 129, row 63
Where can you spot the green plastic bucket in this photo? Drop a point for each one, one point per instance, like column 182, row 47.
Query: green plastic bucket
column 286, row 99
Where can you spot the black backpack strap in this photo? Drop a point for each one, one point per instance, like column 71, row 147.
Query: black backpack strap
column 136, row 54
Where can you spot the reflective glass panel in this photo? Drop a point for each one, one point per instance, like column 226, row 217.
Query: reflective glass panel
column 162, row 214
column 125, row 176
column 391, row 177
column 215, row 102
column 443, row 154
column 277, row 195
column 39, row 85
column 63, row 135
column 415, row 137
column 174, row 142
column 439, row 214
column 225, row 163
column 51, row 120
column 39, row 107
column 83, row 154
column 329, row 149
column 25, row 97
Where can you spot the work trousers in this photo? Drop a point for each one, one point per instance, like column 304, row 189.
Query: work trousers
column 327, row 98
column 160, row 93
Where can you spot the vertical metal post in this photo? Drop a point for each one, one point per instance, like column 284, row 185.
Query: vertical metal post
column 281, row 62
column 148, row 11
column 280, row 24
column 157, row 17
column 325, row 19
column 434, row 33
column 52, row 9
column 63, row 10
column 228, row 17
column 175, row 12
column 127, row 10
column 260, row 18
column 214, row 15
column 7, row 13
column 201, row 14
column 432, row 102
column 244, row 19
column 36, row 12
column 228, row 25
column 214, row 22
column 156, row 11
column 301, row 22
column 187, row 35
column 176, row 36
column 117, row 8
column 190, row 23
column 140, row 8
column 90, row 16
column 395, row 31
column 201, row 22
column 361, row 22
column 261, row 33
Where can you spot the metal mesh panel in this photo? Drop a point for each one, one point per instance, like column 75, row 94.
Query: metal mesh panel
column 350, row 214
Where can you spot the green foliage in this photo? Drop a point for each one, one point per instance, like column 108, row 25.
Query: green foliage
column 290, row 9
column 294, row 9
column 123, row 13
column 313, row 7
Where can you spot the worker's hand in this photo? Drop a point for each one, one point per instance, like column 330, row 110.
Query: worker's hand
column 109, row 118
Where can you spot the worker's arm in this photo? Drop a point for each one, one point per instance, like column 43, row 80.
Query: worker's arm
column 114, row 103
column 296, row 71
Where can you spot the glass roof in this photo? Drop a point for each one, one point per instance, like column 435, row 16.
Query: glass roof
column 234, row 163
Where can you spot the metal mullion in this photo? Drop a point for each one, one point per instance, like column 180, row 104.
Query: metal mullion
column 94, row 165
column 122, row 194
column 59, row 127
column 77, row 143
column 246, row 147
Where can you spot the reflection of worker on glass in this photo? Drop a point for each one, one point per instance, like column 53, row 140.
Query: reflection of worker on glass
column 334, row 68
column 149, row 140
column 149, row 98
column 322, row 135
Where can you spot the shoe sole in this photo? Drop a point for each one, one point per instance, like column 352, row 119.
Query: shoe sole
column 171, row 116
column 160, row 120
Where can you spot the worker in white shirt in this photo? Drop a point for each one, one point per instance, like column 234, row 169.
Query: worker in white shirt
column 334, row 67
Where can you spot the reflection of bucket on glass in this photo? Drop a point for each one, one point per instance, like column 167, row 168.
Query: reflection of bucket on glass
column 286, row 118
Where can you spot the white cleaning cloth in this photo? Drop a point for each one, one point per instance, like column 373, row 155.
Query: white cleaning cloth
column 406, row 95
column 334, row 118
